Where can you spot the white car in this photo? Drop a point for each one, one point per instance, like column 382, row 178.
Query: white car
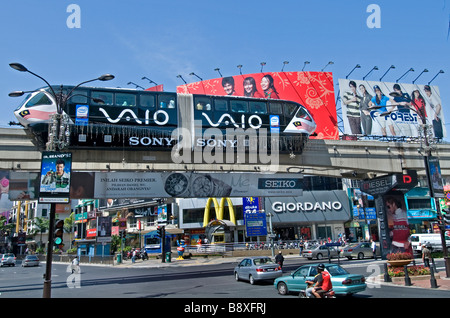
column 7, row 259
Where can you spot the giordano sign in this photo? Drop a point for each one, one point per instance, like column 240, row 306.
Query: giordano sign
column 280, row 207
column 312, row 206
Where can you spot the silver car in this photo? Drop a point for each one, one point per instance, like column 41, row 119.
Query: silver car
column 7, row 259
column 257, row 268
column 30, row 260
column 358, row 250
column 320, row 251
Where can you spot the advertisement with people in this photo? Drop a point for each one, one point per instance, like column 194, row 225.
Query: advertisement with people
column 55, row 177
column 374, row 108
column 314, row 90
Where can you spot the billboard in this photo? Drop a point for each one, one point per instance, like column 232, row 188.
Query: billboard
column 314, row 90
column 55, row 174
column 390, row 109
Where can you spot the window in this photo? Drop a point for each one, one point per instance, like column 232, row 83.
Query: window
column 239, row 106
column 220, row 105
column 125, row 99
column 166, row 101
column 276, row 108
column 147, row 101
column 202, row 103
column 258, row 108
column 105, row 97
column 78, row 97
column 290, row 109
column 39, row 99
column 419, row 204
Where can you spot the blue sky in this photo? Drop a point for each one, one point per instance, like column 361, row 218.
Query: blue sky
column 161, row 39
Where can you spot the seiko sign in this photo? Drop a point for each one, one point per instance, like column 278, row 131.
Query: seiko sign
column 282, row 207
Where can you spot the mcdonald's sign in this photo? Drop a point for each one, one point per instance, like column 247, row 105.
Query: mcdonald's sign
column 219, row 209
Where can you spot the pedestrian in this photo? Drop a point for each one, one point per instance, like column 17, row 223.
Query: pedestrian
column 75, row 263
column 374, row 249
column 133, row 256
column 426, row 255
column 279, row 259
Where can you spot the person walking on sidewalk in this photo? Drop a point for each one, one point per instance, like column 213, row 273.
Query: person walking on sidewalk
column 374, row 249
column 426, row 255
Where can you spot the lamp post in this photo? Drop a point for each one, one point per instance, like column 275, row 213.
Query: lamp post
column 59, row 129
column 410, row 70
column 304, row 64
column 390, row 67
column 356, row 66
column 373, row 68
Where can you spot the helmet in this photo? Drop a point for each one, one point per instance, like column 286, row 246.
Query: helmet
column 320, row 267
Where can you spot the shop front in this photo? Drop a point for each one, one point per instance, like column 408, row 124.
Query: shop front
column 315, row 215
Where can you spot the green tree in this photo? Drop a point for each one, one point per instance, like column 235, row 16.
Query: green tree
column 40, row 225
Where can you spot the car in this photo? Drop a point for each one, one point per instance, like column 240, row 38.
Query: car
column 358, row 250
column 343, row 282
column 257, row 268
column 7, row 259
column 320, row 251
column 30, row 260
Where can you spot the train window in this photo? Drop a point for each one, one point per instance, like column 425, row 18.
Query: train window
column 147, row 101
column 166, row 101
column 125, row 99
column 78, row 97
column 258, row 107
column 239, row 106
column 302, row 113
column 220, row 105
column 202, row 103
column 105, row 97
column 290, row 109
column 276, row 108
column 39, row 99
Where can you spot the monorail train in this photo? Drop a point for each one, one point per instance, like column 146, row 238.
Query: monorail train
column 129, row 118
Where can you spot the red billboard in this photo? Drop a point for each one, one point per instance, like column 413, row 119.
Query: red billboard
column 314, row 90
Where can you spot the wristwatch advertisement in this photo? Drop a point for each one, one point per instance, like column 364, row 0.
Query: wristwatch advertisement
column 195, row 185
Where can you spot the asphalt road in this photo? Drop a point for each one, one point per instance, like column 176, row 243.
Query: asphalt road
column 193, row 282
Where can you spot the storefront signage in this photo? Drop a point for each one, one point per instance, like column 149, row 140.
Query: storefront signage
column 281, row 207
column 398, row 181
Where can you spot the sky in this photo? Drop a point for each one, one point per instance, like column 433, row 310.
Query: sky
column 68, row 42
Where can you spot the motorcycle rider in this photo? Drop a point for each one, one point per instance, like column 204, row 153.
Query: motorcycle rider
column 321, row 282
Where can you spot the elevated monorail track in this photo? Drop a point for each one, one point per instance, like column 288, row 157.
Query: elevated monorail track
column 334, row 158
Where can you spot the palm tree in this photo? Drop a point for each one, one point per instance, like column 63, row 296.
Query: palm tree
column 40, row 225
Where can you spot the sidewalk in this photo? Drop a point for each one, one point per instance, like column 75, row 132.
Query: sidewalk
column 443, row 283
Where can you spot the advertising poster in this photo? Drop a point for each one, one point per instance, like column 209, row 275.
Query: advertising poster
column 194, row 185
column 436, row 177
column 314, row 90
column 55, row 177
column 390, row 109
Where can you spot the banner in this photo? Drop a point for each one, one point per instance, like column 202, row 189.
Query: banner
column 55, row 177
column 314, row 90
column 390, row 109
column 194, row 185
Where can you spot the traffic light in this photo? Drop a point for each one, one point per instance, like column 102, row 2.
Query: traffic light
column 159, row 231
column 58, row 234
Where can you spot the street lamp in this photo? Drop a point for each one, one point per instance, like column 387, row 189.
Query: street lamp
column 424, row 71
column 60, row 128
column 390, row 67
column 329, row 63
column 373, row 68
column 356, row 66
column 304, row 64
column 410, row 70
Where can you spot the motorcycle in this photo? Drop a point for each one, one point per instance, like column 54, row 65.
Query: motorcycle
column 328, row 294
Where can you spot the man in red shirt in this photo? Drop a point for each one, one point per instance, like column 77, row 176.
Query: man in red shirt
column 323, row 282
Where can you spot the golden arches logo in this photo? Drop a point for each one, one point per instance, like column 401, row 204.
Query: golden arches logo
column 219, row 208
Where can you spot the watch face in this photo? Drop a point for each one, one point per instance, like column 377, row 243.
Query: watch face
column 176, row 184
column 202, row 186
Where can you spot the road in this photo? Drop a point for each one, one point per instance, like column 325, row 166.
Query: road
column 205, row 281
